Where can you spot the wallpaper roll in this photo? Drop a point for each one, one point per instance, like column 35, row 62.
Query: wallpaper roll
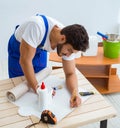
column 18, row 91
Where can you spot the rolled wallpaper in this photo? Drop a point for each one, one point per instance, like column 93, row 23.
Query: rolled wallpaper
column 19, row 90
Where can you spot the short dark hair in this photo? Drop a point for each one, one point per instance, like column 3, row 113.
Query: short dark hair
column 77, row 36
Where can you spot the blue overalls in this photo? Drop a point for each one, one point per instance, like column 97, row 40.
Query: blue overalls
column 39, row 61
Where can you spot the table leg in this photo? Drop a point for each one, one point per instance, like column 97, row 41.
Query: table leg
column 103, row 124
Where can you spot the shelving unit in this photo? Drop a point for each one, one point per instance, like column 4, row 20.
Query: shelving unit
column 100, row 76
column 98, row 70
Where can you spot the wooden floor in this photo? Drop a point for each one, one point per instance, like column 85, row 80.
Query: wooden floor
column 112, row 98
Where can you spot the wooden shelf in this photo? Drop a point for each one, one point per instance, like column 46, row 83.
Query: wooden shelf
column 103, row 78
column 100, row 84
column 94, row 71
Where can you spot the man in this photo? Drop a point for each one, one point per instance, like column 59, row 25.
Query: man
column 28, row 47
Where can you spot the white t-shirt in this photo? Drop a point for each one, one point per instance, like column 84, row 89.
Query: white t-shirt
column 33, row 30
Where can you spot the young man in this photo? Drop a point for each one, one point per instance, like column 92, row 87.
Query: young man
column 28, row 47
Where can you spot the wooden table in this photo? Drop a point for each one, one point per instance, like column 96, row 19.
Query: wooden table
column 98, row 70
column 95, row 109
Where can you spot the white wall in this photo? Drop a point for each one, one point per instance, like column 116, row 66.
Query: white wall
column 93, row 14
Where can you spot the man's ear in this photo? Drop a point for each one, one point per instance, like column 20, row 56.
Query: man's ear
column 63, row 38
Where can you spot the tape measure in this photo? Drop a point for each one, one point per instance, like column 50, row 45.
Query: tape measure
column 46, row 117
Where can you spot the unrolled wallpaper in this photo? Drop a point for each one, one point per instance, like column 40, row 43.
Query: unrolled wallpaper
column 27, row 100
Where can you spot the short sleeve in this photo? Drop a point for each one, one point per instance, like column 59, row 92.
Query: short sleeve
column 72, row 56
column 32, row 34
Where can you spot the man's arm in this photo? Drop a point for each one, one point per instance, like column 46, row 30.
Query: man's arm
column 26, row 55
column 71, row 82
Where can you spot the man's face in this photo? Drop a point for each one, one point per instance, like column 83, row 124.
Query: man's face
column 65, row 49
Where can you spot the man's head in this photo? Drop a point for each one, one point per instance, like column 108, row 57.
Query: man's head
column 76, row 39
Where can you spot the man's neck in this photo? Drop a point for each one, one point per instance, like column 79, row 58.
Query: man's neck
column 54, row 37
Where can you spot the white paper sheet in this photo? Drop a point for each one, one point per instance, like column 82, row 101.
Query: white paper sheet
column 28, row 103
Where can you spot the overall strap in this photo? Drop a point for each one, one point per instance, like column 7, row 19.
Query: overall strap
column 46, row 31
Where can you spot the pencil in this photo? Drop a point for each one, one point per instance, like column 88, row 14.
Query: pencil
column 57, row 87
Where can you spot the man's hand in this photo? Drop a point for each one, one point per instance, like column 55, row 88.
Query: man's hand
column 75, row 100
